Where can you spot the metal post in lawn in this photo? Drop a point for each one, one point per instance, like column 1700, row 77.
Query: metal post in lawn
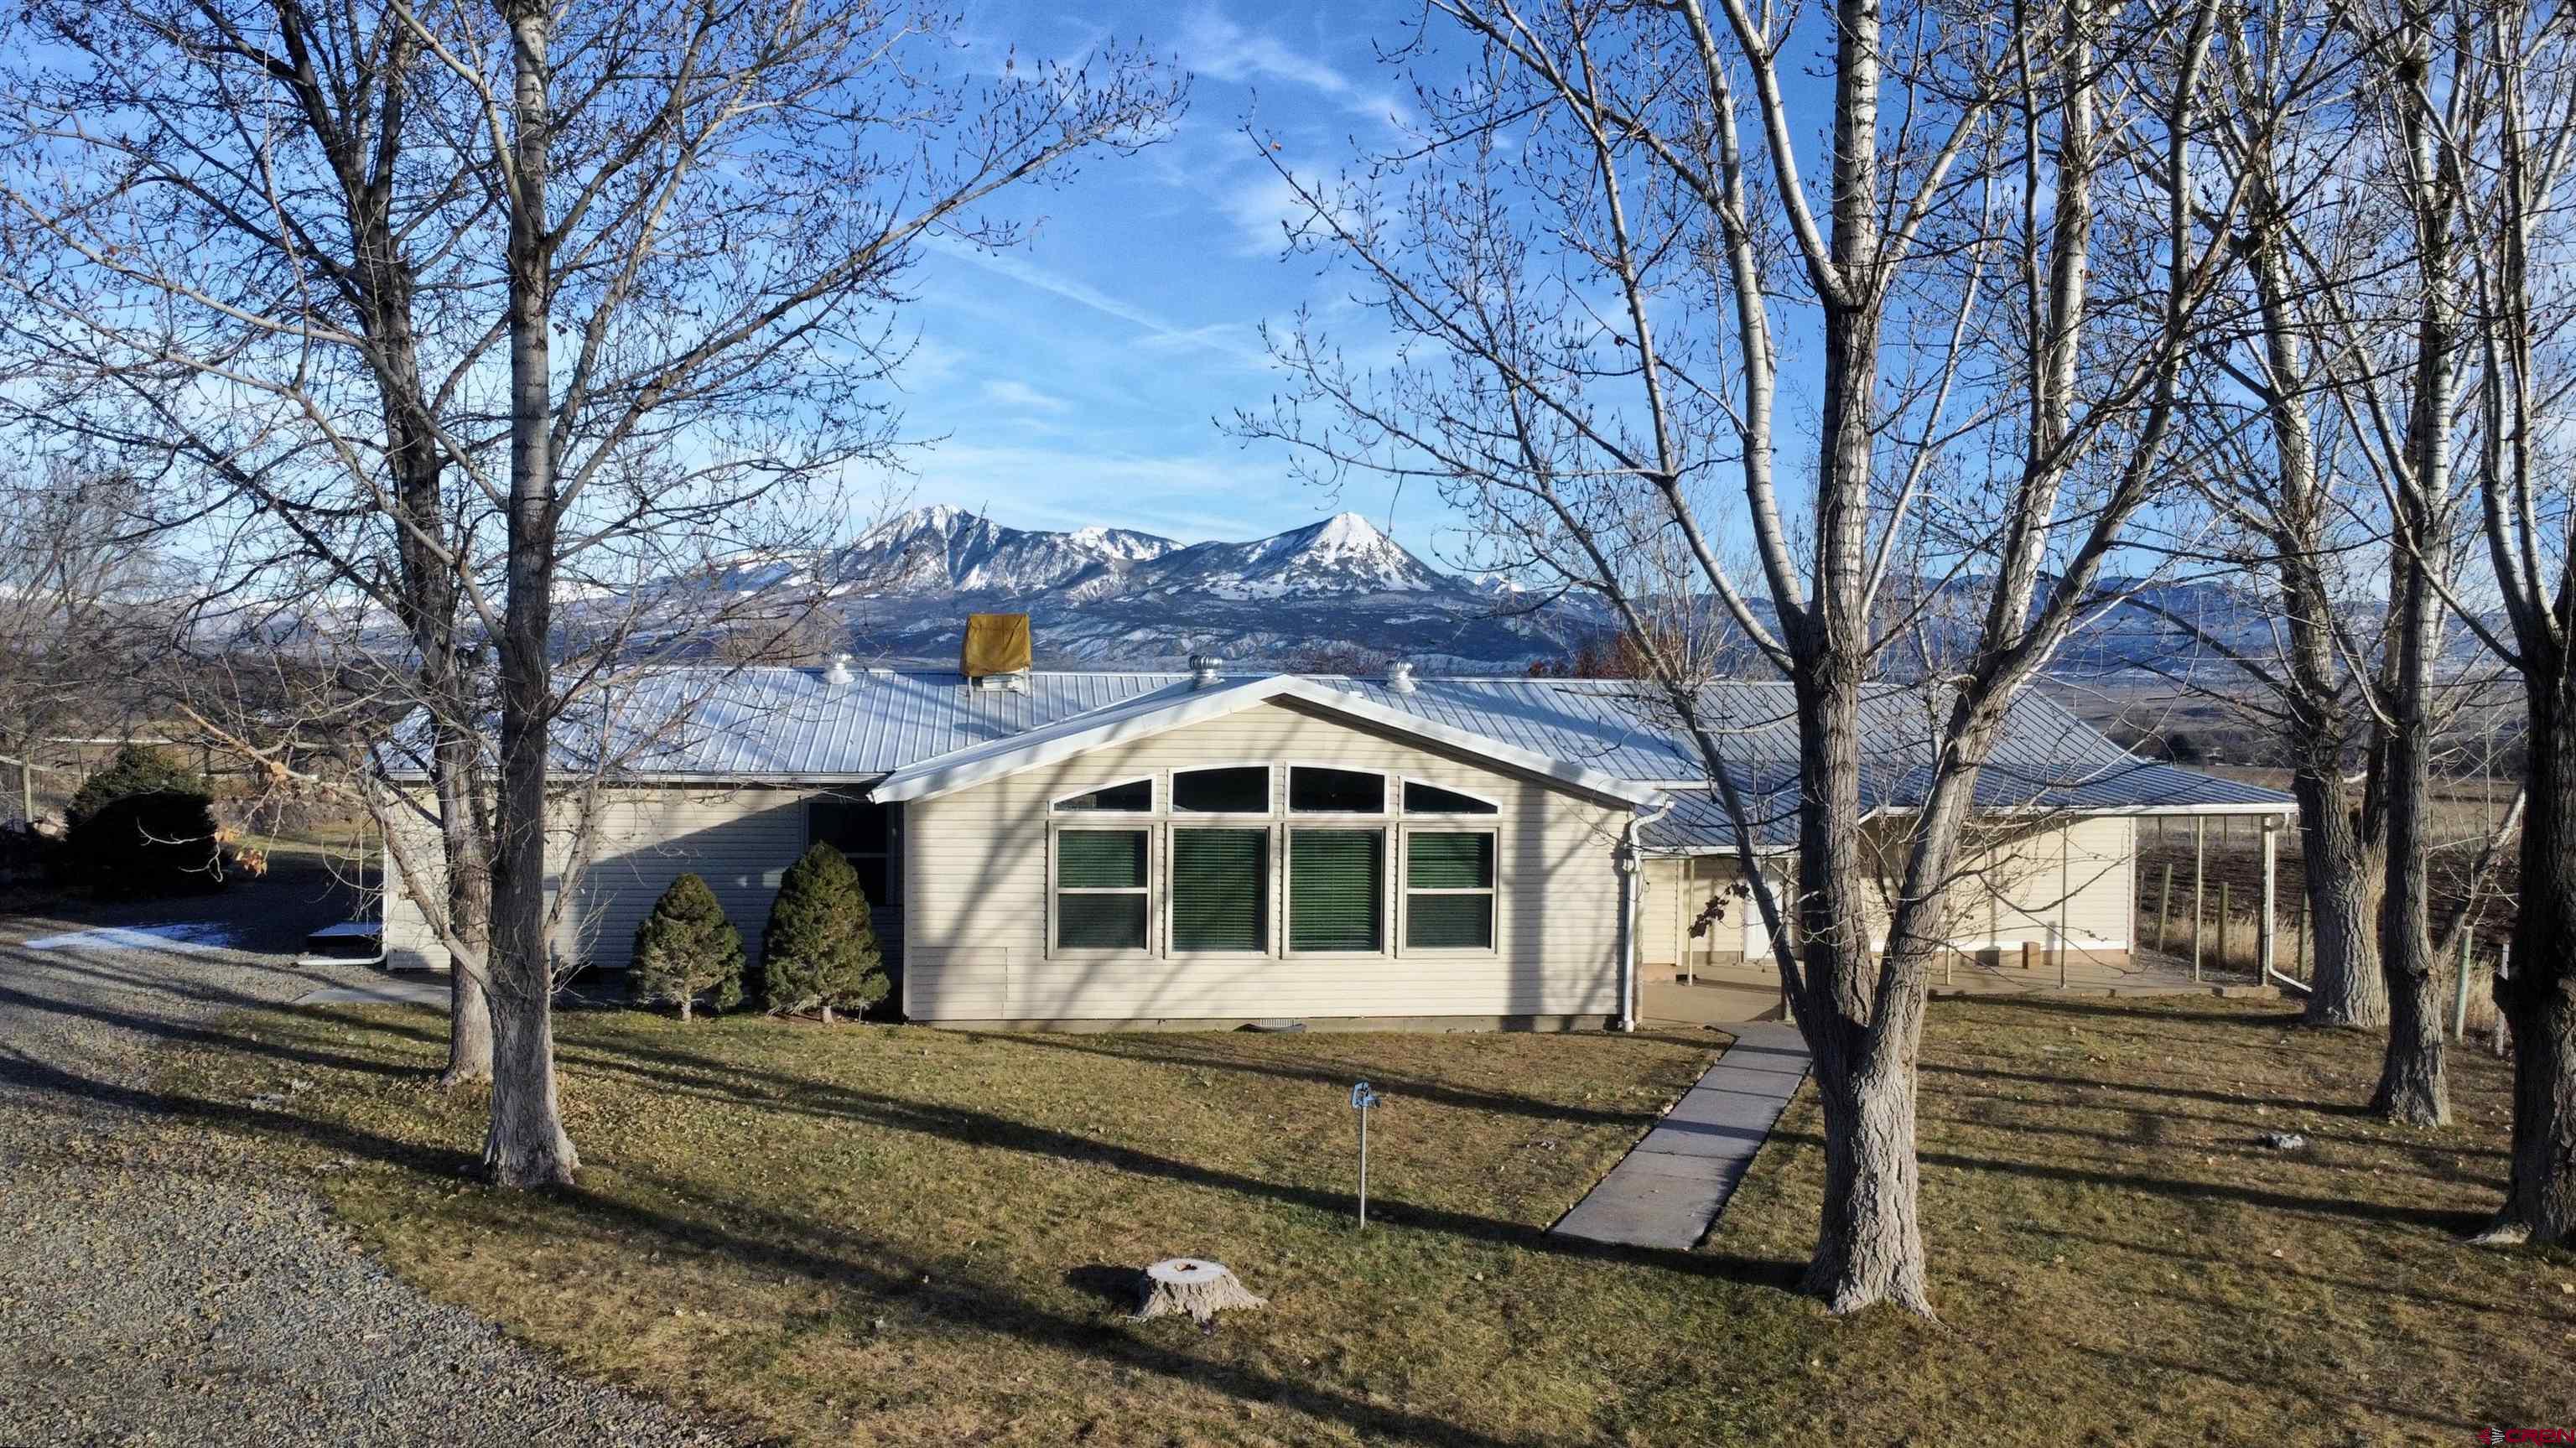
column 1362, row 1100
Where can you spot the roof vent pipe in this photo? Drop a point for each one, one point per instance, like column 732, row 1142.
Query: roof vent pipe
column 838, row 675
column 1205, row 669
column 1399, row 678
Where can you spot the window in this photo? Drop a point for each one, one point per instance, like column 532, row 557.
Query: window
column 1313, row 790
column 1420, row 798
column 1100, row 889
column 1220, row 889
column 868, row 835
column 1336, row 895
column 1448, row 891
column 1222, row 791
column 1136, row 796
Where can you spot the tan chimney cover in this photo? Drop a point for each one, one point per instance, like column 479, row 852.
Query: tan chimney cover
column 996, row 643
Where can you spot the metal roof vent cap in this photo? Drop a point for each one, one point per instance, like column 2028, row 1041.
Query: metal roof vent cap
column 1399, row 678
column 1206, row 669
column 838, row 675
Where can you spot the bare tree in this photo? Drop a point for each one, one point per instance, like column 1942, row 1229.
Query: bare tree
column 1599, row 253
column 79, row 588
column 254, row 285
column 2514, row 171
column 2285, row 519
column 702, row 203
column 712, row 211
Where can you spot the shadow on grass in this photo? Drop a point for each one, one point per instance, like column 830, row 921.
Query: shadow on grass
column 674, row 1071
column 1135, row 1047
column 2245, row 1100
column 2439, row 1219
column 940, row 1293
column 758, row 1237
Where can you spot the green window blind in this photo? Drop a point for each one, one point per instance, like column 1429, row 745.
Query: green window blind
column 1220, row 889
column 1449, row 862
column 1449, row 892
column 1335, row 890
column 1100, row 889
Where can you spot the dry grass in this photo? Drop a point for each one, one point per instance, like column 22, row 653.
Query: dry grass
column 889, row 1235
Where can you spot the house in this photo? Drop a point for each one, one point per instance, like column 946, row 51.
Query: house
column 1098, row 850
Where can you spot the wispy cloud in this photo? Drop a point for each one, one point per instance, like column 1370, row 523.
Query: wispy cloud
column 1020, row 269
column 1011, row 393
column 1211, row 44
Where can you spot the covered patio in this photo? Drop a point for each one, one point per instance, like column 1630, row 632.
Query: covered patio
column 2078, row 915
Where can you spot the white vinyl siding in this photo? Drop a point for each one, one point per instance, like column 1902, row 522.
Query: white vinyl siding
column 2012, row 898
column 977, row 922
column 740, row 840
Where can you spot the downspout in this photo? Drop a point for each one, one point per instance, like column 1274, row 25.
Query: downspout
column 1628, row 869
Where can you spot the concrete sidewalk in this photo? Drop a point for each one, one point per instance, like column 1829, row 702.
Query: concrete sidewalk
column 1672, row 1184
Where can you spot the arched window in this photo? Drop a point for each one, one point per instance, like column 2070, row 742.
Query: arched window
column 1136, row 796
column 1314, row 789
column 1235, row 789
column 1420, row 798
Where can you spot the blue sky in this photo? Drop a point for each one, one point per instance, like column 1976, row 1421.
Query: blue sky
column 1077, row 379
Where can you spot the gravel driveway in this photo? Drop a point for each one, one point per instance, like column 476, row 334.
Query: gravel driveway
column 152, row 1290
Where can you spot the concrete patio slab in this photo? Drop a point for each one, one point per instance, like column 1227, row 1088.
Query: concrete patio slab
column 1668, row 1190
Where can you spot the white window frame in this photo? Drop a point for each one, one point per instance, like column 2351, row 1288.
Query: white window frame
column 1404, row 891
column 1112, row 823
column 1154, row 790
column 1274, row 795
column 1387, row 924
column 1476, row 795
column 1389, row 781
column 1275, row 927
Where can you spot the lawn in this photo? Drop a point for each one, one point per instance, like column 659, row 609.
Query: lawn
column 886, row 1235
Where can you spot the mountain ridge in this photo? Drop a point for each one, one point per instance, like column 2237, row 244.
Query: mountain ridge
column 1337, row 591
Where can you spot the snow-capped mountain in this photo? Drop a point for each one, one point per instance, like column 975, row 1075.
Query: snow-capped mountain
column 943, row 549
column 1112, row 595
column 1338, row 593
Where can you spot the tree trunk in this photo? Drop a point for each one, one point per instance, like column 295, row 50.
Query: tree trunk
column 1869, row 1242
column 2412, row 1090
column 1869, row 1238
column 469, row 918
column 526, row 1145
column 2343, row 888
column 2539, row 999
column 2411, row 1087
column 429, row 590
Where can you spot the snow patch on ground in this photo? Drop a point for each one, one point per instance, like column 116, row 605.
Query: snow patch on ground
column 141, row 937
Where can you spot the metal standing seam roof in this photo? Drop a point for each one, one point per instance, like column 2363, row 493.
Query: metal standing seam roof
column 796, row 725
column 1166, row 709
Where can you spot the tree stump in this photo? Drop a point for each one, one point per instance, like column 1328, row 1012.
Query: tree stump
column 1193, row 1285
